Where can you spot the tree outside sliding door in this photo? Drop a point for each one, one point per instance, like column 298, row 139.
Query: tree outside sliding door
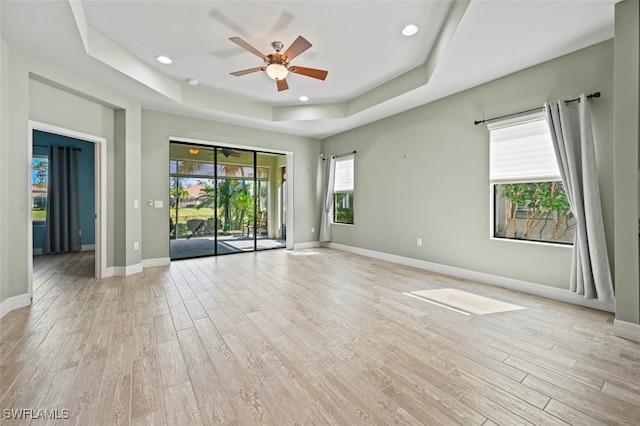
column 236, row 199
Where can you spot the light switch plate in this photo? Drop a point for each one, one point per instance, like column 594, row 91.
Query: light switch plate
column 159, row 204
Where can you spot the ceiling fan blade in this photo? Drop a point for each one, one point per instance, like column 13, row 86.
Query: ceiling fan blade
column 297, row 47
column 310, row 72
column 282, row 85
column 248, row 71
column 240, row 42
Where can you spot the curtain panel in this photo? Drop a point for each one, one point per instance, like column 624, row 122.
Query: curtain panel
column 572, row 136
column 63, row 223
column 327, row 206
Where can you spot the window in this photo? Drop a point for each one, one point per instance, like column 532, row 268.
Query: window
column 39, row 185
column 343, row 190
column 528, row 198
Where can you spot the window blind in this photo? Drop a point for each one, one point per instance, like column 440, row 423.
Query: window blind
column 344, row 174
column 521, row 150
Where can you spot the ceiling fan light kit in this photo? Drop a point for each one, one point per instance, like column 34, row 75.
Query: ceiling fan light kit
column 277, row 71
column 278, row 64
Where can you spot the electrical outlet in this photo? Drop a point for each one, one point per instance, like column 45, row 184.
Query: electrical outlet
column 136, row 245
column 419, row 242
column 313, row 230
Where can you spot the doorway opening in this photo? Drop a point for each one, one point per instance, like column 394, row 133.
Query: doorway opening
column 91, row 191
column 225, row 200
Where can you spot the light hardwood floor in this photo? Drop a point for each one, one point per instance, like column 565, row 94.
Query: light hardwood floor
column 304, row 337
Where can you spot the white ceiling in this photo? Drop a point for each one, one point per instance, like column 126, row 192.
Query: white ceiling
column 374, row 71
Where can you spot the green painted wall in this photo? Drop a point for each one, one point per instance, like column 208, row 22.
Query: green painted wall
column 15, row 147
column 627, row 138
column 5, row 286
column 424, row 173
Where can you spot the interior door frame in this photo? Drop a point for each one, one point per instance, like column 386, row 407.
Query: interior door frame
column 100, row 172
column 289, row 167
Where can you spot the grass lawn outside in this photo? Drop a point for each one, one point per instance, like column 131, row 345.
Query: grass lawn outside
column 184, row 214
column 39, row 214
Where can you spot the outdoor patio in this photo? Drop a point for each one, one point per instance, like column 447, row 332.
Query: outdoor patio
column 185, row 248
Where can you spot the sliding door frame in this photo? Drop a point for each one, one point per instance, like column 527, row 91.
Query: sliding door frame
column 289, row 167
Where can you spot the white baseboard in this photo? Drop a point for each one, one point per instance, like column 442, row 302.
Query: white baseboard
column 14, row 302
column 627, row 330
column 123, row 271
column 509, row 283
column 133, row 269
column 152, row 263
column 308, row 245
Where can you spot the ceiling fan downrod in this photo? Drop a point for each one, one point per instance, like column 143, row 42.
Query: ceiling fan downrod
column 277, row 46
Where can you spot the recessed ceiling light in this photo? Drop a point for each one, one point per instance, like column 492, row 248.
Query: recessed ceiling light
column 409, row 30
column 164, row 59
column 303, row 98
column 192, row 81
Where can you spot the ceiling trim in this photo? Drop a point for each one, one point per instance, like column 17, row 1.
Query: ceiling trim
column 418, row 76
column 106, row 51
column 110, row 53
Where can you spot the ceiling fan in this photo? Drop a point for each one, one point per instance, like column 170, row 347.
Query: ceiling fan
column 278, row 64
column 228, row 152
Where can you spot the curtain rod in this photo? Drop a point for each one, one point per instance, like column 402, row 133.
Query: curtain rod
column 567, row 102
column 47, row 146
column 344, row 155
column 341, row 155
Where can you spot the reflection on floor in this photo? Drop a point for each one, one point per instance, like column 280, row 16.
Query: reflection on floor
column 184, row 248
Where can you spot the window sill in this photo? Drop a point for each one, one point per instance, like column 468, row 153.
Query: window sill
column 342, row 224
column 538, row 243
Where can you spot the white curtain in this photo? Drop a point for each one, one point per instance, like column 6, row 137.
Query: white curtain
column 327, row 206
column 572, row 135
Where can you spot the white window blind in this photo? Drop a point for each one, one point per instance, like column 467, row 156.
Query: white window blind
column 521, row 150
column 344, row 174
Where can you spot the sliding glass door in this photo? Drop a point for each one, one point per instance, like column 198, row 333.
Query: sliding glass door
column 236, row 199
column 225, row 200
column 270, row 213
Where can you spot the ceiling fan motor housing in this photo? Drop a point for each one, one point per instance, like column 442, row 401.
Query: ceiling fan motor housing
column 275, row 58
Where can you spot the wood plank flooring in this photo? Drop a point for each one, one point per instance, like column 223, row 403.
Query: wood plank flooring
column 303, row 337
